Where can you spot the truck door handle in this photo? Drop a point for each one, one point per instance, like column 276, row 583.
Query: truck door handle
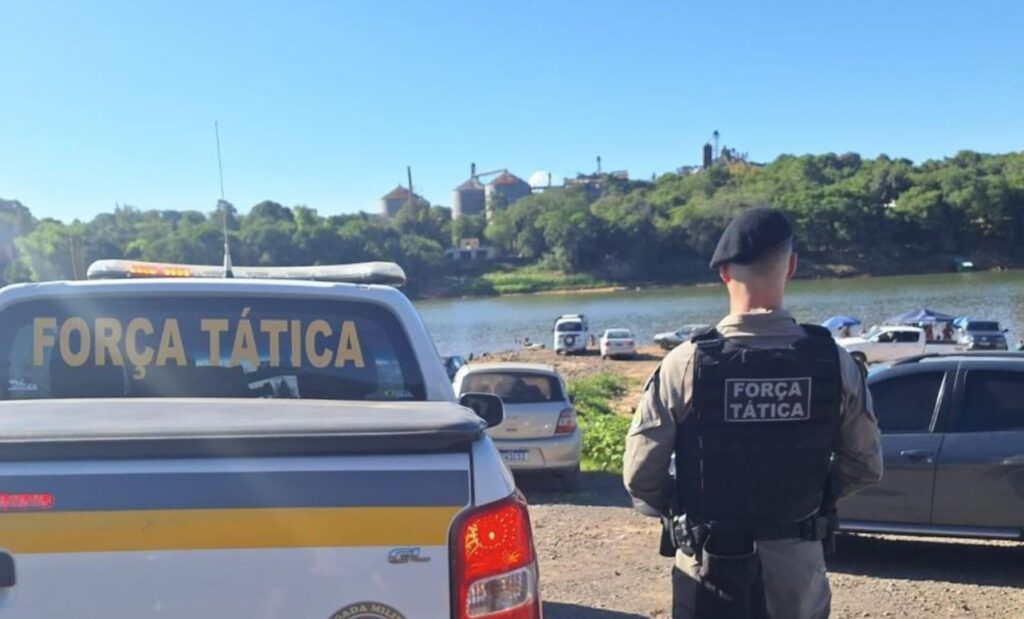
column 918, row 455
column 7, row 578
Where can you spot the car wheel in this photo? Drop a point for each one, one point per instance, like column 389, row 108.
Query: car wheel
column 569, row 479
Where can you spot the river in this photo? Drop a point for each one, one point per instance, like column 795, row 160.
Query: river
column 463, row 326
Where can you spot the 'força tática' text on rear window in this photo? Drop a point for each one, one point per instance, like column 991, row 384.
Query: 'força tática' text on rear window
column 200, row 346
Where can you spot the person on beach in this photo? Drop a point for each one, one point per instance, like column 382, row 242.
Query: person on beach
column 769, row 422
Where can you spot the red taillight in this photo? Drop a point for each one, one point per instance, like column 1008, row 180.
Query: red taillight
column 494, row 568
column 566, row 422
column 25, row 502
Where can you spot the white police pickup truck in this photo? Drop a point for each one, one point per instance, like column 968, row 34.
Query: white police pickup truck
column 185, row 446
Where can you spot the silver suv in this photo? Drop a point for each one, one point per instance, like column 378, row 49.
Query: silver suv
column 953, row 440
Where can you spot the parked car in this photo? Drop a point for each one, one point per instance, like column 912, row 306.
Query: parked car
column 452, row 364
column 983, row 335
column 953, row 441
column 570, row 334
column 144, row 461
column 892, row 342
column 670, row 339
column 539, row 431
column 616, row 343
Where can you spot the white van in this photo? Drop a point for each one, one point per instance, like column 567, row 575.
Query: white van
column 570, row 334
column 193, row 446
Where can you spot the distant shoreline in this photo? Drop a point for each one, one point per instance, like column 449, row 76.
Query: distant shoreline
column 814, row 275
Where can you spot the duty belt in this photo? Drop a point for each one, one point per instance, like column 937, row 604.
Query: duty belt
column 689, row 535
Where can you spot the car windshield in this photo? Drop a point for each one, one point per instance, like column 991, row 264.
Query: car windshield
column 618, row 334
column 515, row 387
column 982, row 325
column 205, row 346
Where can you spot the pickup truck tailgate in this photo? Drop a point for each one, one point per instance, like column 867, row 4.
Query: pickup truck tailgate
column 248, row 518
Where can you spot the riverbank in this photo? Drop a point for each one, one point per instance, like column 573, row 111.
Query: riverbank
column 533, row 280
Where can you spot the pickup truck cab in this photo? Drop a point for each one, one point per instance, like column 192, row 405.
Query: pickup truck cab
column 206, row 447
column 953, row 442
column 892, row 342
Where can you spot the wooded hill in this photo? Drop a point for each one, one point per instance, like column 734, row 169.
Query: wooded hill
column 852, row 215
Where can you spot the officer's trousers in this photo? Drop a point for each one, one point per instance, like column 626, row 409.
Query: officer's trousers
column 795, row 582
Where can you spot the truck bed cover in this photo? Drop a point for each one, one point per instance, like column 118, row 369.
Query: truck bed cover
column 170, row 427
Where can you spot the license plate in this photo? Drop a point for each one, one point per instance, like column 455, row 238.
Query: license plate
column 515, row 455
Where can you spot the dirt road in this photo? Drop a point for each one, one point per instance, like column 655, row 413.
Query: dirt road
column 598, row 559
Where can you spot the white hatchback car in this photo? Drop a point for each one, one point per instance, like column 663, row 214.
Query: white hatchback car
column 617, row 343
column 539, row 432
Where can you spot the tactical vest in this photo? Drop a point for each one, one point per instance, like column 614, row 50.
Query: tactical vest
column 755, row 449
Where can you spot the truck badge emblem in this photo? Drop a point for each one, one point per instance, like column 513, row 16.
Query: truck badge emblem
column 368, row 610
column 401, row 556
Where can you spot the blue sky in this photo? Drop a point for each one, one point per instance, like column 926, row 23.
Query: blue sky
column 325, row 103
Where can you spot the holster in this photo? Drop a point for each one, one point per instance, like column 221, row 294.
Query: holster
column 730, row 584
column 677, row 533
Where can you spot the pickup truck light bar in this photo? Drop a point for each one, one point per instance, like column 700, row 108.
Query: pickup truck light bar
column 387, row 273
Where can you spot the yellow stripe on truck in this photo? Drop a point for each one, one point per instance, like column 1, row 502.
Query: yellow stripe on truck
column 209, row 529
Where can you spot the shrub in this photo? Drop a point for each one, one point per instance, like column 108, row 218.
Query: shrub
column 591, row 394
column 604, row 441
column 604, row 432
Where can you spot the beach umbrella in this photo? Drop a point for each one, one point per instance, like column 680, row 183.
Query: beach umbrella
column 838, row 322
column 920, row 315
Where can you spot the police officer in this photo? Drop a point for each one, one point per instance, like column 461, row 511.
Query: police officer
column 765, row 418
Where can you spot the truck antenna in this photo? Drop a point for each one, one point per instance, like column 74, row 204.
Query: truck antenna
column 222, row 205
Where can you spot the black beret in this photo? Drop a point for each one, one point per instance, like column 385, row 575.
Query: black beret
column 750, row 234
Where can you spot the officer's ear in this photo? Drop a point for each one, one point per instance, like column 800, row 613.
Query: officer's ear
column 723, row 273
column 791, row 271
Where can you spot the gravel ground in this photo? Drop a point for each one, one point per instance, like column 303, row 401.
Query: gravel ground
column 598, row 559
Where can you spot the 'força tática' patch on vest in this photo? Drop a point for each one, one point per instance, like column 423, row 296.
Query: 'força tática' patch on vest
column 767, row 399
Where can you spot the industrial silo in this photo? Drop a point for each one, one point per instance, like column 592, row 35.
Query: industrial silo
column 469, row 198
column 504, row 190
column 393, row 201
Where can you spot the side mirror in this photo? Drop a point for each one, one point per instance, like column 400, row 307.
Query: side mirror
column 487, row 406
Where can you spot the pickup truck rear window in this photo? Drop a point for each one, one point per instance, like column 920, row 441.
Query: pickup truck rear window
column 515, row 387
column 205, row 346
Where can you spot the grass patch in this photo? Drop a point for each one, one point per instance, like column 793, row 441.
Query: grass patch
column 604, row 432
column 592, row 394
column 531, row 279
